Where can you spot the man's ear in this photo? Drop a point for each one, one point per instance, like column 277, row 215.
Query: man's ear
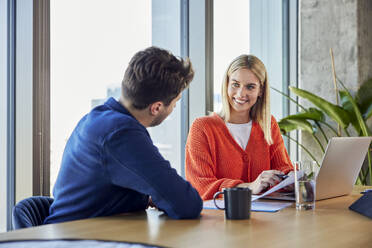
column 156, row 108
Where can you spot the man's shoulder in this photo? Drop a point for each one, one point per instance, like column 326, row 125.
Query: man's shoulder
column 103, row 121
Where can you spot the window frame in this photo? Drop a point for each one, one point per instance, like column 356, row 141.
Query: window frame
column 201, row 55
column 41, row 98
column 26, row 101
column 185, row 94
column 7, row 82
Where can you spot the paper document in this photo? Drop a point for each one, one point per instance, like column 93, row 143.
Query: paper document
column 288, row 181
column 255, row 207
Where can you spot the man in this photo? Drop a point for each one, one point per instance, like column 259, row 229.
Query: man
column 110, row 164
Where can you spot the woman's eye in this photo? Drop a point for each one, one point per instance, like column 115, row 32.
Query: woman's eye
column 236, row 85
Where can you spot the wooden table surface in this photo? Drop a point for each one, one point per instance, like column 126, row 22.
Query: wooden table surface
column 331, row 224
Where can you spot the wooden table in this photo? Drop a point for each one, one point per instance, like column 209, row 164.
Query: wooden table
column 330, row 225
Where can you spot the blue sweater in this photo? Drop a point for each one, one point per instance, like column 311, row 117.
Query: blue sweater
column 111, row 166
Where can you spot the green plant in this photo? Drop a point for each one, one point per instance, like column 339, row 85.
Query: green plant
column 352, row 111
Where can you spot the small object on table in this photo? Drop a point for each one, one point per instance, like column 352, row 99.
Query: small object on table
column 366, row 191
column 363, row 205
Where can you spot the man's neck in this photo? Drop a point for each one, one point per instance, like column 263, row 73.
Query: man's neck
column 140, row 115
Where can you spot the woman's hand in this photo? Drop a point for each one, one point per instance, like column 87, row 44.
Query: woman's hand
column 289, row 188
column 265, row 180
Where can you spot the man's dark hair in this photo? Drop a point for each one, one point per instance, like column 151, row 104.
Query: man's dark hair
column 154, row 74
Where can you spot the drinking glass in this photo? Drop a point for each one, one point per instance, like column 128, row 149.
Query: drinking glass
column 305, row 184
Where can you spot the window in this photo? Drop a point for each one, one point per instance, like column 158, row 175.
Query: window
column 266, row 29
column 7, row 111
column 90, row 51
column 3, row 115
column 231, row 39
column 91, row 45
column 166, row 33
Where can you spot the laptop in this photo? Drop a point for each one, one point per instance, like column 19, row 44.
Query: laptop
column 339, row 170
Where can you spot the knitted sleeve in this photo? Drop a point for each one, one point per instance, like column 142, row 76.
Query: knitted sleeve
column 279, row 158
column 200, row 167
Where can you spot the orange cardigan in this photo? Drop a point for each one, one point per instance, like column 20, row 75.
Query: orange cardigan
column 215, row 161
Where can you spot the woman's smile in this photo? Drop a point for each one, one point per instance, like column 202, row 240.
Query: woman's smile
column 240, row 101
column 243, row 91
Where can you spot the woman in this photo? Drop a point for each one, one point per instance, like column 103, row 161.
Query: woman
column 242, row 145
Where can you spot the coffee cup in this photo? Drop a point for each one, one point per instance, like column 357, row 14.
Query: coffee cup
column 237, row 202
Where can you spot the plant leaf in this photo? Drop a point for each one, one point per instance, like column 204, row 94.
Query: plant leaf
column 287, row 125
column 363, row 126
column 348, row 106
column 335, row 112
column 368, row 113
column 289, row 98
column 364, row 97
column 311, row 114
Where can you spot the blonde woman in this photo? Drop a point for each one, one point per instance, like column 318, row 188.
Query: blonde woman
column 241, row 145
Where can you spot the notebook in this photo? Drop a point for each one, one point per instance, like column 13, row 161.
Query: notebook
column 339, row 170
column 363, row 205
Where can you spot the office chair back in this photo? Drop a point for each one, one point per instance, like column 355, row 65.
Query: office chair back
column 31, row 211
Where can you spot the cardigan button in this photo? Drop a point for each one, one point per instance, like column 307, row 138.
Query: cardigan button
column 245, row 158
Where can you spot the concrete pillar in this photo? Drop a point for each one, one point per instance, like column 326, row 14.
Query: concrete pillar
column 364, row 26
column 346, row 27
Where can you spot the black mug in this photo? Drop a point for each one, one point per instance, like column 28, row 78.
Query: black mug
column 237, row 202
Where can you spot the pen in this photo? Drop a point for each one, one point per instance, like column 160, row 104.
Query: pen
column 282, row 176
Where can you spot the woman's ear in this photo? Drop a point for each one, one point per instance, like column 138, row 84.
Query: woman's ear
column 261, row 91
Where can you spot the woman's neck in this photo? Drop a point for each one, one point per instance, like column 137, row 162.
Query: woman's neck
column 239, row 118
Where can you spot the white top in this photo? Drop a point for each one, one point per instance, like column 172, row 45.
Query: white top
column 240, row 132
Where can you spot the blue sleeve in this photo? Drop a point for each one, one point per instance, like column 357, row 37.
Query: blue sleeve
column 134, row 162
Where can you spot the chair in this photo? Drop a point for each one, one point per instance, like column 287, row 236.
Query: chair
column 31, row 211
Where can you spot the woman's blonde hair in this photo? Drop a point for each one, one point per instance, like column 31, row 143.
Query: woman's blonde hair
column 260, row 111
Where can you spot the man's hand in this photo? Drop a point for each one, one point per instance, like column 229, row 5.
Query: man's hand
column 150, row 204
column 265, row 180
